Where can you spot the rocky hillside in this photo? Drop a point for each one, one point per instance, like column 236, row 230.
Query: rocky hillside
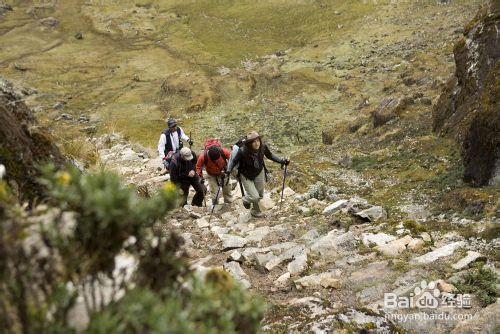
column 24, row 147
column 468, row 108
column 356, row 93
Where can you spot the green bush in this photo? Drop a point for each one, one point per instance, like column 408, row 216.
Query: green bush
column 203, row 307
column 481, row 281
column 53, row 254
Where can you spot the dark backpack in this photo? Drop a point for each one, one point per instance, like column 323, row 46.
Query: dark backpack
column 168, row 144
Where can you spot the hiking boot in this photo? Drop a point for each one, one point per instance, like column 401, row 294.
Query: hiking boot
column 257, row 214
column 247, row 204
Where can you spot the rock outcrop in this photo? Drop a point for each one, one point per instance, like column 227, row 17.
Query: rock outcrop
column 23, row 145
column 468, row 107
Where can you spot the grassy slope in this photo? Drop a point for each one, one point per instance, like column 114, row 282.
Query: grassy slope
column 343, row 58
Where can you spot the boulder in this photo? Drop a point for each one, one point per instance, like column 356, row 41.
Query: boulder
column 282, row 281
column 378, row 239
column 467, row 260
column 335, row 206
column 326, row 280
column 438, row 253
column 416, row 244
column 332, row 243
column 230, row 241
column 298, row 265
column 234, row 269
column 372, row 214
column 202, row 222
column 395, row 247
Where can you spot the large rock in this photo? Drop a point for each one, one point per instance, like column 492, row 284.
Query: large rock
column 464, row 262
column 395, row 247
column 298, row 265
column 23, row 145
column 468, row 107
column 326, row 280
column 332, row 243
column 378, row 239
column 335, row 206
column 438, row 253
column 235, row 270
column 372, row 214
column 230, row 241
column 484, row 321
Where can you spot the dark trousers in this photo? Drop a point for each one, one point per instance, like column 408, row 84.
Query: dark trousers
column 197, row 186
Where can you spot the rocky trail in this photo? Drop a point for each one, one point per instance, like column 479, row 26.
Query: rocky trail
column 322, row 260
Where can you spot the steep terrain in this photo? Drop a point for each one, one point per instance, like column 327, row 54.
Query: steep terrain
column 24, row 146
column 468, row 108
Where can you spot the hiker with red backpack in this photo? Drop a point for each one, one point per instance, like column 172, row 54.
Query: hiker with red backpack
column 214, row 159
column 183, row 175
column 171, row 142
column 252, row 170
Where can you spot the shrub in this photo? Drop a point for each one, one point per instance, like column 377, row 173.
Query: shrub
column 481, row 281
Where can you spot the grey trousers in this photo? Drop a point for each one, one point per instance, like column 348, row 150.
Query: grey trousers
column 254, row 190
column 225, row 191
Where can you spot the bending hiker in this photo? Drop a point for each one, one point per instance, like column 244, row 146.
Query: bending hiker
column 214, row 158
column 252, row 170
column 183, row 175
column 171, row 141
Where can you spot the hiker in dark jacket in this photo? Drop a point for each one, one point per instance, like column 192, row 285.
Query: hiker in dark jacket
column 171, row 141
column 252, row 170
column 183, row 174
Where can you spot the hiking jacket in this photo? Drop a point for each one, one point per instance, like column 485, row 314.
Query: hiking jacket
column 180, row 168
column 169, row 141
column 213, row 168
column 252, row 163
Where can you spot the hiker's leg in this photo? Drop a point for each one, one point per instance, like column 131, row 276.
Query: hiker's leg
column 226, row 191
column 212, row 182
column 198, row 196
column 251, row 193
column 260, row 182
column 184, row 189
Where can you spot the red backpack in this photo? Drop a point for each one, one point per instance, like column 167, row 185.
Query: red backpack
column 213, row 143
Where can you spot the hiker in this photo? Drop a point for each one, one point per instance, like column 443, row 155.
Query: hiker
column 183, row 175
column 214, row 158
column 252, row 170
column 171, row 141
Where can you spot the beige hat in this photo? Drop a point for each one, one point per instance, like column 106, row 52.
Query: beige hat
column 251, row 136
column 186, row 154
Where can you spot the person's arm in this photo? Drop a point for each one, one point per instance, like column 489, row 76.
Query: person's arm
column 234, row 161
column 272, row 156
column 161, row 146
column 226, row 153
column 199, row 165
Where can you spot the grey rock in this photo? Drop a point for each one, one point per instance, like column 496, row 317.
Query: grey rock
column 372, row 214
column 234, row 269
column 232, row 241
column 438, row 253
column 467, row 260
column 335, row 206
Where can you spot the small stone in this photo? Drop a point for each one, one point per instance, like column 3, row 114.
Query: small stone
column 235, row 270
column 426, row 237
column 202, row 222
column 445, row 287
column 235, row 256
column 288, row 192
column 416, row 244
column 49, row 22
column 282, row 281
column 79, row 35
column 266, row 203
column 326, row 280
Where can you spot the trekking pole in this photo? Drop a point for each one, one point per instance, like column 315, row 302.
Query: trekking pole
column 216, row 199
column 283, row 187
column 190, row 140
